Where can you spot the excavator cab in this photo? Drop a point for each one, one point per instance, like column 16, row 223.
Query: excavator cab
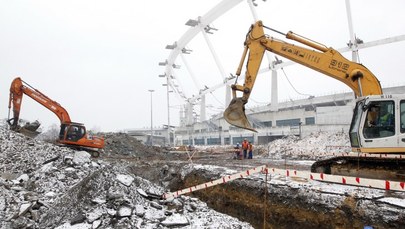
column 378, row 125
column 75, row 135
column 71, row 132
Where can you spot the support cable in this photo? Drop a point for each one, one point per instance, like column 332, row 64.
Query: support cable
column 293, row 85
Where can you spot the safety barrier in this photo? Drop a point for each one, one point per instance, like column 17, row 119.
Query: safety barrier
column 343, row 180
column 215, row 182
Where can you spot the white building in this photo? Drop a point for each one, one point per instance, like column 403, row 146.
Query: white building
column 299, row 117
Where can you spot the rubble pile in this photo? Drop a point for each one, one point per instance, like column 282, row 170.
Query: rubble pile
column 315, row 146
column 46, row 186
column 124, row 144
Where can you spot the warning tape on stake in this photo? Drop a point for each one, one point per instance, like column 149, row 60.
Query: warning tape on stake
column 222, row 180
column 344, row 180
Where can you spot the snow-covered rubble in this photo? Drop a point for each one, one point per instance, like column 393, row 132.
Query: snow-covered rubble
column 46, row 186
column 312, row 147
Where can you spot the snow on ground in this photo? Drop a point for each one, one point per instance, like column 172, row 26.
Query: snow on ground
column 312, row 147
column 46, row 186
column 306, row 151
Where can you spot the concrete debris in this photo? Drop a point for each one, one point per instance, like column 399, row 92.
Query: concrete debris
column 47, row 186
column 124, row 211
column 125, row 179
column 175, row 220
column 312, row 147
column 81, row 157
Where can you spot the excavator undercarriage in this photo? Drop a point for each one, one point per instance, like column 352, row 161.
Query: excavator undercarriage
column 392, row 168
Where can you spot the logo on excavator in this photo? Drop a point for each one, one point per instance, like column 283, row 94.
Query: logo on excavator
column 339, row 66
column 301, row 54
column 39, row 98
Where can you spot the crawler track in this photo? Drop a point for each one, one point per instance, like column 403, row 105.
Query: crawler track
column 367, row 167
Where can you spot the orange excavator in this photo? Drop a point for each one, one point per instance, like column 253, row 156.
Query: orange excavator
column 378, row 122
column 71, row 133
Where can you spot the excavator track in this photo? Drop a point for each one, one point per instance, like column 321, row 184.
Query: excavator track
column 95, row 153
column 392, row 168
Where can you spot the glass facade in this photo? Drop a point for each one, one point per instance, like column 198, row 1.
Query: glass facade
column 288, row 122
column 310, row 121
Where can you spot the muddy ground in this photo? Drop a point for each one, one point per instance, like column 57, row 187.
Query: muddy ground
column 277, row 203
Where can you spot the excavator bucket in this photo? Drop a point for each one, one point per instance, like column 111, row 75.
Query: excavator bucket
column 235, row 114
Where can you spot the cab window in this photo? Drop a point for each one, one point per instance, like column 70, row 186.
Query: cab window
column 380, row 120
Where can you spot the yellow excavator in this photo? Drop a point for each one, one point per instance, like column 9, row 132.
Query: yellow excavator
column 378, row 122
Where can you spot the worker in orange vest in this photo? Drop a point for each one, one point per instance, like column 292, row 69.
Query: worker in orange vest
column 245, row 145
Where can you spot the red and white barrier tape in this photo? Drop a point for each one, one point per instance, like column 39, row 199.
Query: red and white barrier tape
column 222, row 180
column 344, row 180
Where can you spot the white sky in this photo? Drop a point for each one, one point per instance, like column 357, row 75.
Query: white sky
column 98, row 59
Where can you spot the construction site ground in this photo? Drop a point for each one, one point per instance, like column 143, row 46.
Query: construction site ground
column 289, row 202
column 61, row 192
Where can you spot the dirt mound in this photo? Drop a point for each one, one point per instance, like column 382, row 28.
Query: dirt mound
column 126, row 145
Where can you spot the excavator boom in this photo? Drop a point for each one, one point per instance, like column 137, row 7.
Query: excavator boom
column 19, row 88
column 324, row 60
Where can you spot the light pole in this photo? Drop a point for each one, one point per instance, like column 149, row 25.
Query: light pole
column 168, row 108
column 151, row 118
column 168, row 112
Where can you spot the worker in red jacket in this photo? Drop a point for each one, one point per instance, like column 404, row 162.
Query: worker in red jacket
column 245, row 145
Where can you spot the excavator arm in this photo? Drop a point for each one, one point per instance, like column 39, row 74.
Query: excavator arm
column 18, row 88
column 320, row 58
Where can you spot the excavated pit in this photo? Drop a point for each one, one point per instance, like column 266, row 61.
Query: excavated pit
column 285, row 205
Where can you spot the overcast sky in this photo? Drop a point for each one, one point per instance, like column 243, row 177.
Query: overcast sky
column 98, row 59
